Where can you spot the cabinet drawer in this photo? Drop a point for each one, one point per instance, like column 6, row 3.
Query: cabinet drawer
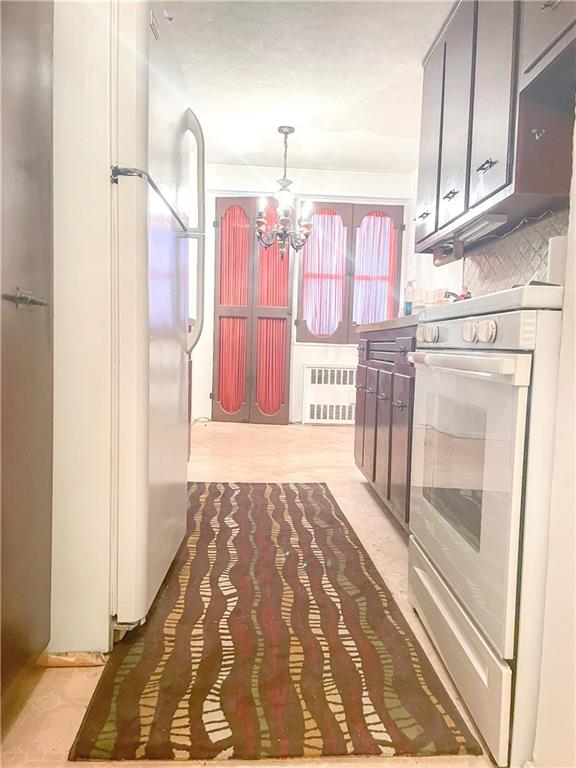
column 483, row 679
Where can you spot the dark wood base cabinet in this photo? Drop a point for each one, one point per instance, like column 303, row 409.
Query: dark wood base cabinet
column 384, row 410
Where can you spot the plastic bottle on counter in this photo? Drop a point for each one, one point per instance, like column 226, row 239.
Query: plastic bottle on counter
column 409, row 292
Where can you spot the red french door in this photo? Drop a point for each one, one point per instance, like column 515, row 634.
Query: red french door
column 252, row 320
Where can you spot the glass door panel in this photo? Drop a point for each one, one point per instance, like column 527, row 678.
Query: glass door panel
column 467, row 469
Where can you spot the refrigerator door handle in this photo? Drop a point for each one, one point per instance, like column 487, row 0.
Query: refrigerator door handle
column 196, row 330
column 192, row 124
column 117, row 171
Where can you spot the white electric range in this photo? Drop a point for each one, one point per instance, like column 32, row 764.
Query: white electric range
column 483, row 438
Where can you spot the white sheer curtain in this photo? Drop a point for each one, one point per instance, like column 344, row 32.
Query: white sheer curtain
column 375, row 269
column 324, row 276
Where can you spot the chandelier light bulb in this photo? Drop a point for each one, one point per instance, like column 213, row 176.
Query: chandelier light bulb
column 285, row 200
column 305, row 210
column 262, row 204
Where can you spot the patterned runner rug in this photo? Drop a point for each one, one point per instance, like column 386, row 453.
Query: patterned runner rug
column 273, row 635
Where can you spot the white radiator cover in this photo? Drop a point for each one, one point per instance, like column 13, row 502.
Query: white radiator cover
column 329, row 394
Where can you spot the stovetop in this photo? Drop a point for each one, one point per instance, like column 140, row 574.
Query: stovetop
column 523, row 297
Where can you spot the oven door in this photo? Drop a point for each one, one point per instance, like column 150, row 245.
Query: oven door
column 467, row 469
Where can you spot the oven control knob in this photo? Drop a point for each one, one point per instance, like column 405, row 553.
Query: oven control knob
column 421, row 334
column 432, row 334
column 487, row 331
column 470, row 332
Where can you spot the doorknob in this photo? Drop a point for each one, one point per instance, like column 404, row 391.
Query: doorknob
column 24, row 299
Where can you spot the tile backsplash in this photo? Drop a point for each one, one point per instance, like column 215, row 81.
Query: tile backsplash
column 513, row 259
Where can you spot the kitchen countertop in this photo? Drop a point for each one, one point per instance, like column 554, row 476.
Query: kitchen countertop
column 388, row 325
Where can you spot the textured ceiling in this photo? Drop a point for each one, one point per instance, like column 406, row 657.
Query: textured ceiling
column 347, row 75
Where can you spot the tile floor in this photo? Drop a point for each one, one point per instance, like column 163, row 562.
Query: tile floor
column 44, row 730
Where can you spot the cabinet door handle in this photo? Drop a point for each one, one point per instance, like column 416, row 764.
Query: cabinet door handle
column 451, row 194
column 360, row 386
column 486, row 165
column 370, row 391
column 361, row 348
column 423, row 215
column 549, row 5
column 383, row 397
column 399, row 404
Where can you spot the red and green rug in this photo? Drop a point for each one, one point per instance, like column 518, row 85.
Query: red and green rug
column 273, row 636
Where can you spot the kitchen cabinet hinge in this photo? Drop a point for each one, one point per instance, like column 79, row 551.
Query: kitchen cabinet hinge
column 400, row 228
column 215, row 224
column 296, row 322
column 211, row 395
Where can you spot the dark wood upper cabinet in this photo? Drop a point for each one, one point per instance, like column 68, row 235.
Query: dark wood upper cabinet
column 490, row 155
column 506, row 120
column 427, row 202
column 546, row 26
column 459, row 41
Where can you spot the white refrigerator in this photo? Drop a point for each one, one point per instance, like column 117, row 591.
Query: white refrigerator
column 158, row 235
column 128, row 280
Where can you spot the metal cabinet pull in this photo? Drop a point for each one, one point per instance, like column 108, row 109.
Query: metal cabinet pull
column 24, row 299
column 423, row 215
column 399, row 404
column 451, row 194
column 382, row 396
column 486, row 165
column 360, row 386
column 370, row 391
column 361, row 348
column 549, row 5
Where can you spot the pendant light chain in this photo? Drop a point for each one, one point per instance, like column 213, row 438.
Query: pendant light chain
column 291, row 230
column 285, row 156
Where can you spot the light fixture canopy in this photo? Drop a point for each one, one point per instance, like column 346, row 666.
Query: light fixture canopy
column 290, row 230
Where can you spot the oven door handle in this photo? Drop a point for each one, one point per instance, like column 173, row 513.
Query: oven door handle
column 515, row 368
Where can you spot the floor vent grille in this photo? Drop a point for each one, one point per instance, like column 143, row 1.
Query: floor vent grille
column 329, row 395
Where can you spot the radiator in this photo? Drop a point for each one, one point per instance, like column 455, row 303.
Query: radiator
column 329, row 394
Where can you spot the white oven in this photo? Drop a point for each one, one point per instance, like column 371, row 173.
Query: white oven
column 486, row 377
column 467, row 470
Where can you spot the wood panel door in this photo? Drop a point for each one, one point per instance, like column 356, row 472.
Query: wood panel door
column 430, row 138
column 456, row 114
column 233, row 300
column 360, row 415
column 494, row 89
column 384, row 422
column 271, row 332
column 401, row 445
column 252, row 320
column 27, row 341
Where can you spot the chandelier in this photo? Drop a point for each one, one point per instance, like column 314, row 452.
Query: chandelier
column 291, row 230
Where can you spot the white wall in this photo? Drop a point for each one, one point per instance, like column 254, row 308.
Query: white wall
column 555, row 734
column 82, row 327
column 223, row 180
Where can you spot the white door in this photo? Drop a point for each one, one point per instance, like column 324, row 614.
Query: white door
column 467, row 471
